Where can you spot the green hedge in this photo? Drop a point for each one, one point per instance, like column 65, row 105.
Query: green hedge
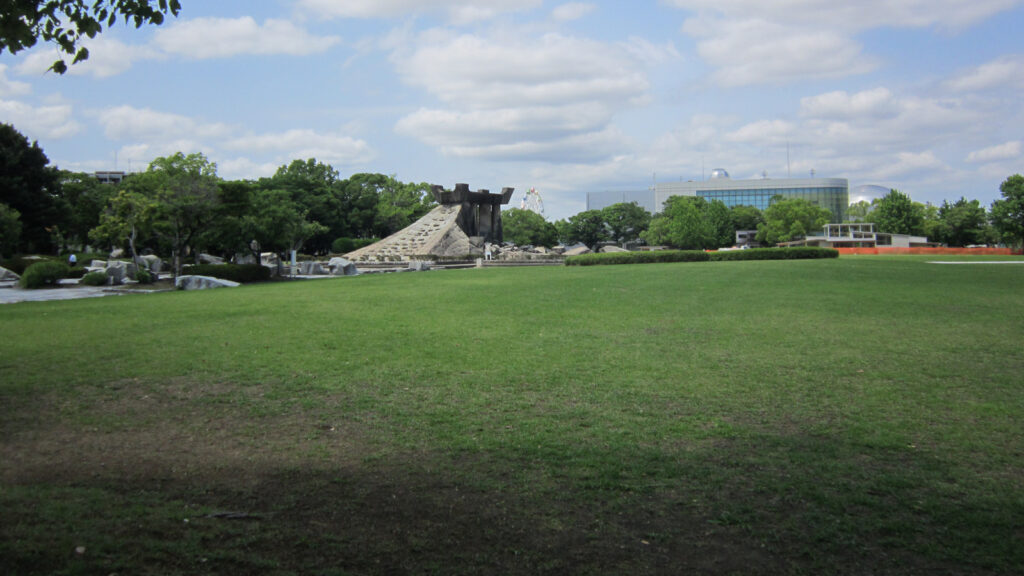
column 242, row 273
column 97, row 278
column 637, row 257
column 795, row 253
column 43, row 274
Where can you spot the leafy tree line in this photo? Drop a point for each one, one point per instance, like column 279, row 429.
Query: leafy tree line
column 180, row 206
column 959, row 223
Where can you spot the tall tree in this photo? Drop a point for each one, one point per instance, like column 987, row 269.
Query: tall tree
column 896, row 213
column 962, row 223
column 625, row 221
column 277, row 223
column 29, row 185
column 67, row 22
column 789, row 219
column 587, row 227
column 85, row 197
column 1008, row 213
column 691, row 223
column 186, row 195
column 746, row 217
column 128, row 215
column 10, row 230
column 319, row 192
column 400, row 204
column 526, row 227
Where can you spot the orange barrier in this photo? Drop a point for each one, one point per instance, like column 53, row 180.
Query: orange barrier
column 938, row 251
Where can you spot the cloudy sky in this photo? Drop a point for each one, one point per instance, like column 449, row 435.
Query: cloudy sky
column 919, row 95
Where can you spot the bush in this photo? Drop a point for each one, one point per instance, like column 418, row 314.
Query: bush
column 637, row 257
column 97, row 278
column 241, row 273
column 346, row 245
column 795, row 253
column 43, row 274
column 143, row 276
column 76, row 272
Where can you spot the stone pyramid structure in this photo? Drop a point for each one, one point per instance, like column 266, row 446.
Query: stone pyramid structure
column 459, row 227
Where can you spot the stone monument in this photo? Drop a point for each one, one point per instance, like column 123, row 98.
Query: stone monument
column 458, row 227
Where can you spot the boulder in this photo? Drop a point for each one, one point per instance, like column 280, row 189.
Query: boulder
column 116, row 272
column 8, row 276
column 117, row 253
column 607, row 249
column 577, row 251
column 98, row 264
column 202, row 283
column 419, row 265
column 210, row 259
column 342, row 267
column 310, row 268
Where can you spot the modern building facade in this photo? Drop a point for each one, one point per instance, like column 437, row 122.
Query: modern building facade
column 832, row 194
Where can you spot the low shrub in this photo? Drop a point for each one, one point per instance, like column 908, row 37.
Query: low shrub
column 650, row 257
column 43, row 274
column 96, row 278
column 242, row 273
column 143, row 276
column 794, row 253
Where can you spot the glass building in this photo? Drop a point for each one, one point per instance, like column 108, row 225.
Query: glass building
column 832, row 194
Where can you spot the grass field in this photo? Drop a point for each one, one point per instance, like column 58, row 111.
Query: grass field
column 852, row 416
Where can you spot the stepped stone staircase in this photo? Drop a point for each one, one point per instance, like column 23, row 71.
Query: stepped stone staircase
column 457, row 228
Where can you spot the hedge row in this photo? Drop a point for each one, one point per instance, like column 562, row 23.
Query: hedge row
column 797, row 253
column 43, row 273
column 637, row 257
column 241, row 273
column 794, row 253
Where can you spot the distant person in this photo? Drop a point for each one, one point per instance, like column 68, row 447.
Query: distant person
column 487, row 253
column 72, row 260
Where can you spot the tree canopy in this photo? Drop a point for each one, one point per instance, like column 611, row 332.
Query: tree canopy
column 1008, row 213
column 29, row 185
column 789, row 219
column 526, row 227
column 625, row 221
column 692, row 223
column 896, row 213
column 66, row 23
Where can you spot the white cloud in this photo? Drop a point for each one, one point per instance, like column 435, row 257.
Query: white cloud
column 1003, row 72
column 130, row 123
column 224, row 37
column 756, row 42
column 875, row 103
column 550, row 98
column 763, row 131
column 459, row 11
column 9, row 87
column 755, row 51
column 245, row 169
column 857, row 16
column 334, row 149
column 47, row 121
column 998, row 153
column 571, row 11
column 107, row 57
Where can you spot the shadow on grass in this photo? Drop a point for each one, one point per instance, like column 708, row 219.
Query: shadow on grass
column 754, row 505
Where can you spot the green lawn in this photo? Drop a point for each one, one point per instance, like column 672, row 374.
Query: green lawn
column 852, row 416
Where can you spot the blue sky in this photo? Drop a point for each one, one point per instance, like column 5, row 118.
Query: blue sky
column 923, row 96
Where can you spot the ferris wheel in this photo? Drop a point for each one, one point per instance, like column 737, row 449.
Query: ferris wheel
column 533, row 202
